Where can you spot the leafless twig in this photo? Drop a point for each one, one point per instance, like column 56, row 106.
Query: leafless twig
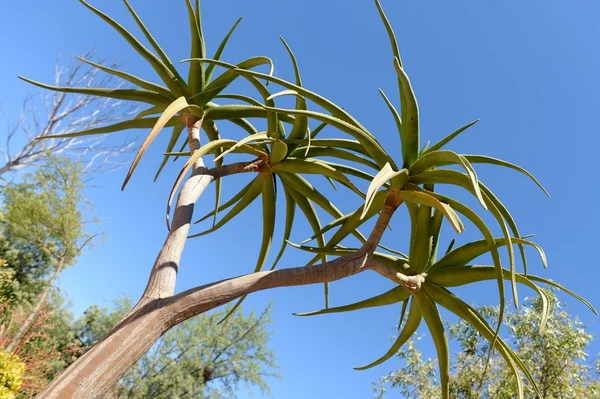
column 67, row 114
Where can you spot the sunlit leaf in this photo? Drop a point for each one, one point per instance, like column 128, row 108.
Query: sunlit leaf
column 395, row 295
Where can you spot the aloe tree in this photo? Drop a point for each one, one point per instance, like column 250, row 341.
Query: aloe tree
column 284, row 157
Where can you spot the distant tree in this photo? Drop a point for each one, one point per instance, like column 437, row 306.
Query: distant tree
column 45, row 349
column 56, row 114
column 557, row 359
column 43, row 232
column 197, row 359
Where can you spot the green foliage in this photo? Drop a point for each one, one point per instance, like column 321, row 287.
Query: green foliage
column 11, row 373
column 41, row 233
column 428, row 276
column 96, row 322
column 8, row 285
column 198, row 358
column 557, row 359
column 25, row 267
column 42, row 214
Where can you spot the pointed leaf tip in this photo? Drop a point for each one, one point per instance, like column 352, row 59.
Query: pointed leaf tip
column 386, row 173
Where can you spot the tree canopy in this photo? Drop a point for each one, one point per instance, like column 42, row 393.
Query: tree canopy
column 558, row 358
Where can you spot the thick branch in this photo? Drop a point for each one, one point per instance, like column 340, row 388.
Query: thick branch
column 202, row 299
column 161, row 283
column 96, row 371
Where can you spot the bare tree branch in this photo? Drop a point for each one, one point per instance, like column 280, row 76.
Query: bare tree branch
column 24, row 146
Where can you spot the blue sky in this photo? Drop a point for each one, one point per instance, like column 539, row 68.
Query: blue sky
column 528, row 70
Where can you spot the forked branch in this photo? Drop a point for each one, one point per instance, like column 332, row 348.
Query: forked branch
column 94, row 373
column 161, row 283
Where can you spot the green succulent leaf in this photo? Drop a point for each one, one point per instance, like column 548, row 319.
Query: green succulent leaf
column 353, row 220
column 306, row 189
column 211, row 67
column 143, row 84
column 239, row 97
column 143, row 123
column 233, row 112
column 269, row 203
column 436, row 226
column 300, row 129
column 505, row 214
column 279, row 151
column 313, row 219
column 393, row 110
column 403, row 312
column 163, row 56
column 398, row 180
column 412, row 323
column 436, row 158
column 432, row 317
column 461, row 180
column 348, row 170
column 290, row 212
column 421, row 239
column 274, row 127
column 177, row 130
column 331, row 225
column 220, row 83
column 253, row 192
column 173, row 109
column 440, row 144
column 145, row 96
column 560, row 287
column 196, row 77
column 500, row 162
column 346, row 144
column 457, row 277
column 395, row 295
column 454, row 304
column 335, row 110
column 314, row 166
column 210, row 128
column 156, row 109
column 480, row 224
column 366, row 139
column 244, row 141
column 409, row 134
column 433, row 202
column 167, row 75
column 392, row 38
column 227, row 204
column 391, row 261
column 205, row 149
column 333, row 152
column 464, row 254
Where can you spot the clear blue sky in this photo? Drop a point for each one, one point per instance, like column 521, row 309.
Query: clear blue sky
column 528, row 69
